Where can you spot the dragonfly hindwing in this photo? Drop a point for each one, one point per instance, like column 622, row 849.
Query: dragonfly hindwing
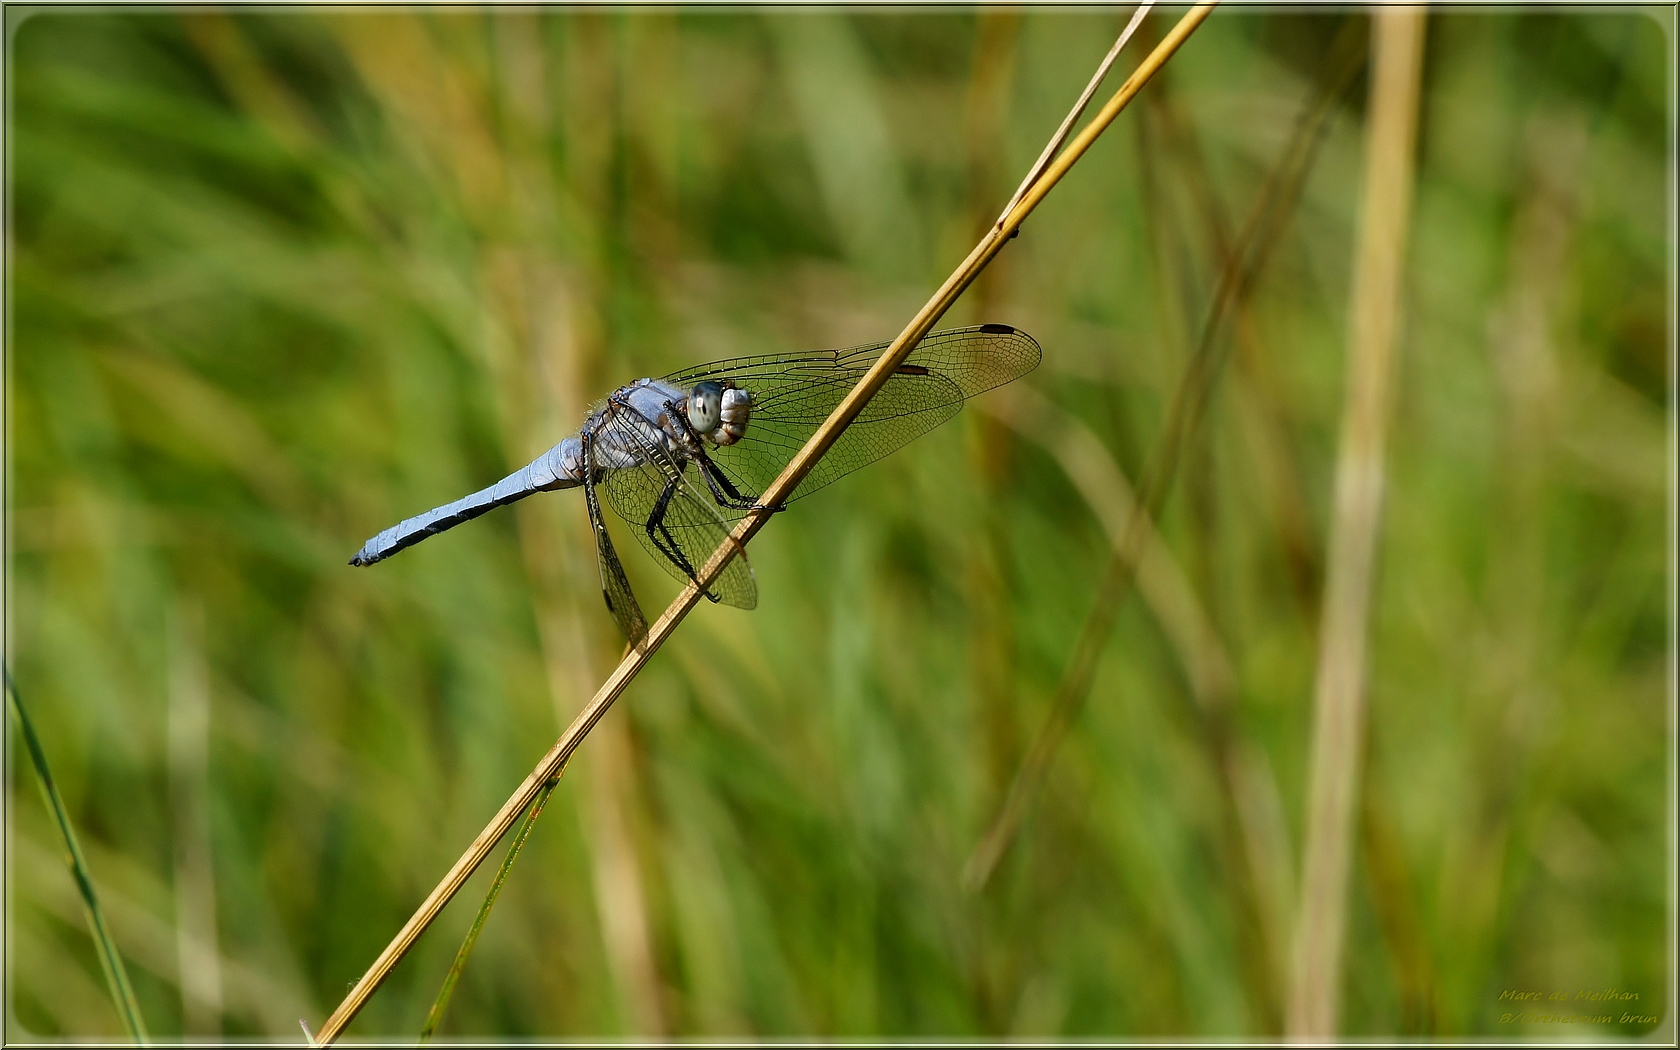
column 677, row 522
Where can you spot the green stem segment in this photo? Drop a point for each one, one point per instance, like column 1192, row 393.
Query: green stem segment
column 460, row 963
column 116, row 977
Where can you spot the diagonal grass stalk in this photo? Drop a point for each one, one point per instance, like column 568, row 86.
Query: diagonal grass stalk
column 1162, row 582
column 1272, row 209
column 435, row 1015
column 801, row 465
column 110, row 960
column 1257, row 392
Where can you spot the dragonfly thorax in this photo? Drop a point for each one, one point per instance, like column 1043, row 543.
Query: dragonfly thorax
column 719, row 412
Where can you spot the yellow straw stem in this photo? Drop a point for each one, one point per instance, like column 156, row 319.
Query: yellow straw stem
column 779, row 490
column 1356, row 517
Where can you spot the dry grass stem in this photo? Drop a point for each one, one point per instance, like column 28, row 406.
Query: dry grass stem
column 1072, row 118
column 1397, row 58
column 778, row 491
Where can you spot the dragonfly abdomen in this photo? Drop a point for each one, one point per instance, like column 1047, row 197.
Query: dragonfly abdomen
column 561, row 467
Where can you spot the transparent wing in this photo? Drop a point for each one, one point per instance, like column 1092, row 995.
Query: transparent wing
column 615, row 586
column 678, row 525
column 794, row 393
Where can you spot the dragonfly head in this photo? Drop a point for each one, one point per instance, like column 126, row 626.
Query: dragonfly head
column 719, row 412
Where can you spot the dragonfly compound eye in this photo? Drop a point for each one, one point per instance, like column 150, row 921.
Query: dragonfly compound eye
column 737, row 410
column 705, row 405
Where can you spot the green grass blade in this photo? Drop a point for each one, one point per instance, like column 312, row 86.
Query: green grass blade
column 460, row 963
column 122, row 993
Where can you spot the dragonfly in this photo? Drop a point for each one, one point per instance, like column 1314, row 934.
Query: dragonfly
column 683, row 457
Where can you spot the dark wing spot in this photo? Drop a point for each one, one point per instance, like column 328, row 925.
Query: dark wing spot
column 911, row 370
column 998, row 329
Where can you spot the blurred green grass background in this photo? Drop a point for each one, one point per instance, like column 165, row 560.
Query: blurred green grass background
column 278, row 280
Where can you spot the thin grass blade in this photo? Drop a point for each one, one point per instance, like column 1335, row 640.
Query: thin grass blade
column 456, row 968
column 110, row 960
column 1062, row 132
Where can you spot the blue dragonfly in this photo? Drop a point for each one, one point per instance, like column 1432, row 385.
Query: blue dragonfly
column 683, row 457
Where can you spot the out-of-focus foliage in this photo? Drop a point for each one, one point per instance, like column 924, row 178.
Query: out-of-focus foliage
column 279, row 280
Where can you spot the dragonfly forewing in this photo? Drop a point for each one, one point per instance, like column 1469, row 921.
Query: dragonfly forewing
column 792, row 394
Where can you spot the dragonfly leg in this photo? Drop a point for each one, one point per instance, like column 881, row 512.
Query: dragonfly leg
column 730, row 496
column 661, row 536
column 723, row 490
